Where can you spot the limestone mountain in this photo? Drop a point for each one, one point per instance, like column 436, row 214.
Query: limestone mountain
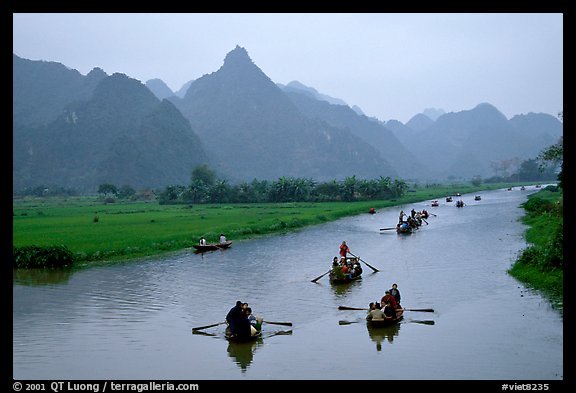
column 122, row 134
column 251, row 129
column 159, row 88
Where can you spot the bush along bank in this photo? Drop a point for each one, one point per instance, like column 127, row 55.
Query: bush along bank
column 541, row 265
column 41, row 257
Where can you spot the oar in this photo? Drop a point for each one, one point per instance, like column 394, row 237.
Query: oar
column 433, row 214
column 419, row 309
column 319, row 277
column 207, row 326
column 371, row 267
column 346, row 322
column 351, row 308
column 424, row 220
column 422, row 322
column 387, row 229
column 279, row 323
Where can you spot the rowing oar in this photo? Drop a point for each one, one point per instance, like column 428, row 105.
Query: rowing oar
column 319, row 277
column 279, row 323
column 424, row 220
column 387, row 229
column 405, row 309
column 207, row 326
column 433, row 214
column 371, row 267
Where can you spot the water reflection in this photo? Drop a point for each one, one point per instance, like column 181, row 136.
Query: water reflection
column 243, row 352
column 380, row 334
column 342, row 289
column 37, row 277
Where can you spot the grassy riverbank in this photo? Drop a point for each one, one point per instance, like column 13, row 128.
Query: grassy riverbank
column 541, row 265
column 95, row 231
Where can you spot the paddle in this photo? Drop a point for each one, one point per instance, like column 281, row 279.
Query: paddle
column 424, row 220
column 279, row 323
column 319, row 277
column 207, row 326
column 344, row 322
column 405, row 309
column 387, row 229
column 433, row 214
column 371, row 267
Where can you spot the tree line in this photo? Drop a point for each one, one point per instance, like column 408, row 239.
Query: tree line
column 205, row 187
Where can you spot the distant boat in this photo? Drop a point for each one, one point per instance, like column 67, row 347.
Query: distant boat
column 212, row 246
column 449, row 199
column 434, row 203
column 477, row 197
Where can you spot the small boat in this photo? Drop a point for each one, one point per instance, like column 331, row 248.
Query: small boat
column 449, row 199
column 434, row 203
column 372, row 210
column 212, row 246
column 460, row 203
column 343, row 278
column 386, row 321
column 230, row 337
column 522, row 188
column 477, row 198
column 404, row 229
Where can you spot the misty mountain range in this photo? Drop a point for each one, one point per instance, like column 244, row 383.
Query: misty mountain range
column 80, row 131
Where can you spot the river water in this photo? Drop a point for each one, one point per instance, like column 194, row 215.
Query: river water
column 133, row 320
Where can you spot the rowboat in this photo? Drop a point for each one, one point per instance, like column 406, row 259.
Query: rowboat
column 404, row 229
column 212, row 246
column 434, row 203
column 460, row 203
column 343, row 278
column 231, row 337
column 477, row 198
column 449, row 199
column 386, row 321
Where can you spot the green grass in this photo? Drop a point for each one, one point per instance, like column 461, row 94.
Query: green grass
column 541, row 265
column 95, row 231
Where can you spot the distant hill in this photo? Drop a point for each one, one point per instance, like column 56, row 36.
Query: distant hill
column 122, row 134
column 251, row 129
column 159, row 88
column 42, row 89
column 464, row 144
column 298, row 87
column 182, row 91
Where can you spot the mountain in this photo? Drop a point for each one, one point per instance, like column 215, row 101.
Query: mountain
column 465, row 144
column 364, row 129
column 433, row 113
column 121, row 135
column 42, row 89
column 419, row 122
column 159, row 88
column 251, row 129
column 298, row 87
column 182, row 91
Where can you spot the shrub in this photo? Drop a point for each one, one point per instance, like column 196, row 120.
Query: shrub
column 41, row 257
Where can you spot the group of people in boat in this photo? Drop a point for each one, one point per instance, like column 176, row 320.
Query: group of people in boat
column 346, row 267
column 388, row 305
column 222, row 240
column 241, row 322
column 413, row 221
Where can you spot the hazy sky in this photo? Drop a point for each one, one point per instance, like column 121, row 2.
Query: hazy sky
column 392, row 66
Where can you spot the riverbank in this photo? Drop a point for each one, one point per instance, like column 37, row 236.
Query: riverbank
column 541, row 265
column 96, row 231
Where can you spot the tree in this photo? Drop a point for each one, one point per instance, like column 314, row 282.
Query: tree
column 107, row 189
column 202, row 173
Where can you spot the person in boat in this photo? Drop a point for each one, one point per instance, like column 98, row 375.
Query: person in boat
column 255, row 322
column 222, row 238
column 413, row 213
column 242, row 326
column 344, row 249
column 233, row 316
column 374, row 312
column 401, row 218
column 390, row 299
column 396, row 294
column 424, row 213
column 356, row 267
column 202, row 241
column 389, row 311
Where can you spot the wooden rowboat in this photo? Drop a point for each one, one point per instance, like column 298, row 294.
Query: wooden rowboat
column 230, row 337
column 336, row 279
column 212, row 246
column 386, row 321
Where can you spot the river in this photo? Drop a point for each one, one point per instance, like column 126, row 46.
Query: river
column 133, row 320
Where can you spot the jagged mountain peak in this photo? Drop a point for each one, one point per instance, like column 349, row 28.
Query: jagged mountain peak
column 238, row 57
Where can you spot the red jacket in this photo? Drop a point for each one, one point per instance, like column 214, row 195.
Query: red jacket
column 344, row 249
column 389, row 297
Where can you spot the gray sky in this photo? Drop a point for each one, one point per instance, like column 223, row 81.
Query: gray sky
column 392, row 66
